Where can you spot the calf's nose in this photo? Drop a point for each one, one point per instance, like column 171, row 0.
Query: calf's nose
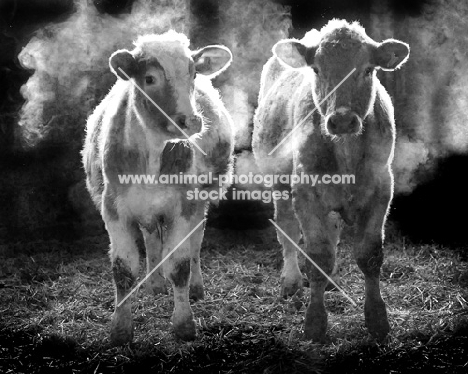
column 343, row 123
column 189, row 124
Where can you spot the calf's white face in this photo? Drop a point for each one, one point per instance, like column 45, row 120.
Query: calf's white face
column 164, row 68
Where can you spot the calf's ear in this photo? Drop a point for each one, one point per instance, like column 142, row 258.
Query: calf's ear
column 391, row 54
column 123, row 60
column 212, row 60
column 291, row 52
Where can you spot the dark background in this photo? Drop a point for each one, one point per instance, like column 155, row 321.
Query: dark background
column 41, row 185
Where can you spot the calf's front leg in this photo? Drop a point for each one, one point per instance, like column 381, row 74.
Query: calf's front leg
column 125, row 263
column 291, row 276
column 321, row 236
column 177, row 269
column 321, row 230
column 156, row 283
column 369, row 257
column 196, row 280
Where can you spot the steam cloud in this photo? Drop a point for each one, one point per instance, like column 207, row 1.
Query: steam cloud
column 70, row 63
column 250, row 29
column 71, row 74
column 429, row 92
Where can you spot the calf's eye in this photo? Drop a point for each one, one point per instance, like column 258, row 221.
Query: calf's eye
column 149, row 79
column 369, row 71
column 315, row 70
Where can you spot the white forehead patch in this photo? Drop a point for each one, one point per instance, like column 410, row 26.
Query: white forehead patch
column 170, row 49
column 342, row 110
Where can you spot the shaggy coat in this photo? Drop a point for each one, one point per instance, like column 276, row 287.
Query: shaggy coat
column 129, row 135
column 348, row 132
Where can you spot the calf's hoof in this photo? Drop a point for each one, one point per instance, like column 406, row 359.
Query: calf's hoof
column 379, row 331
column 121, row 331
column 376, row 319
column 291, row 286
column 196, row 292
column 185, row 330
column 315, row 326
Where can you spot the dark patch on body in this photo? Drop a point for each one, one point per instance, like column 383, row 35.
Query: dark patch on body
column 124, row 160
column 130, row 160
column 123, row 276
column 181, row 273
column 156, row 223
column 188, row 208
column 118, row 157
column 176, row 157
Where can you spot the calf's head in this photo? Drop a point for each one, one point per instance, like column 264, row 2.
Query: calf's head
column 164, row 68
column 331, row 55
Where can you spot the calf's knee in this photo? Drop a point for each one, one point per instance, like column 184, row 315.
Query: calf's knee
column 371, row 265
column 326, row 262
column 123, row 276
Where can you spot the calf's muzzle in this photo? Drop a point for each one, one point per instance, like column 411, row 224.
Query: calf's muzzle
column 190, row 124
column 343, row 123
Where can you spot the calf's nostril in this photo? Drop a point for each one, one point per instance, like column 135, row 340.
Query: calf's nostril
column 355, row 125
column 181, row 121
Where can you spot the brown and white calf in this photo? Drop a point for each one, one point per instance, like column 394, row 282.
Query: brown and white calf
column 351, row 133
column 128, row 134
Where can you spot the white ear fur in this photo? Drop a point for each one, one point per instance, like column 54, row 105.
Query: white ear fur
column 123, row 59
column 212, row 60
column 391, row 54
column 291, row 53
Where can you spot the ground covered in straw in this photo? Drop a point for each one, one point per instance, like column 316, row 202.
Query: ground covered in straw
column 56, row 301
